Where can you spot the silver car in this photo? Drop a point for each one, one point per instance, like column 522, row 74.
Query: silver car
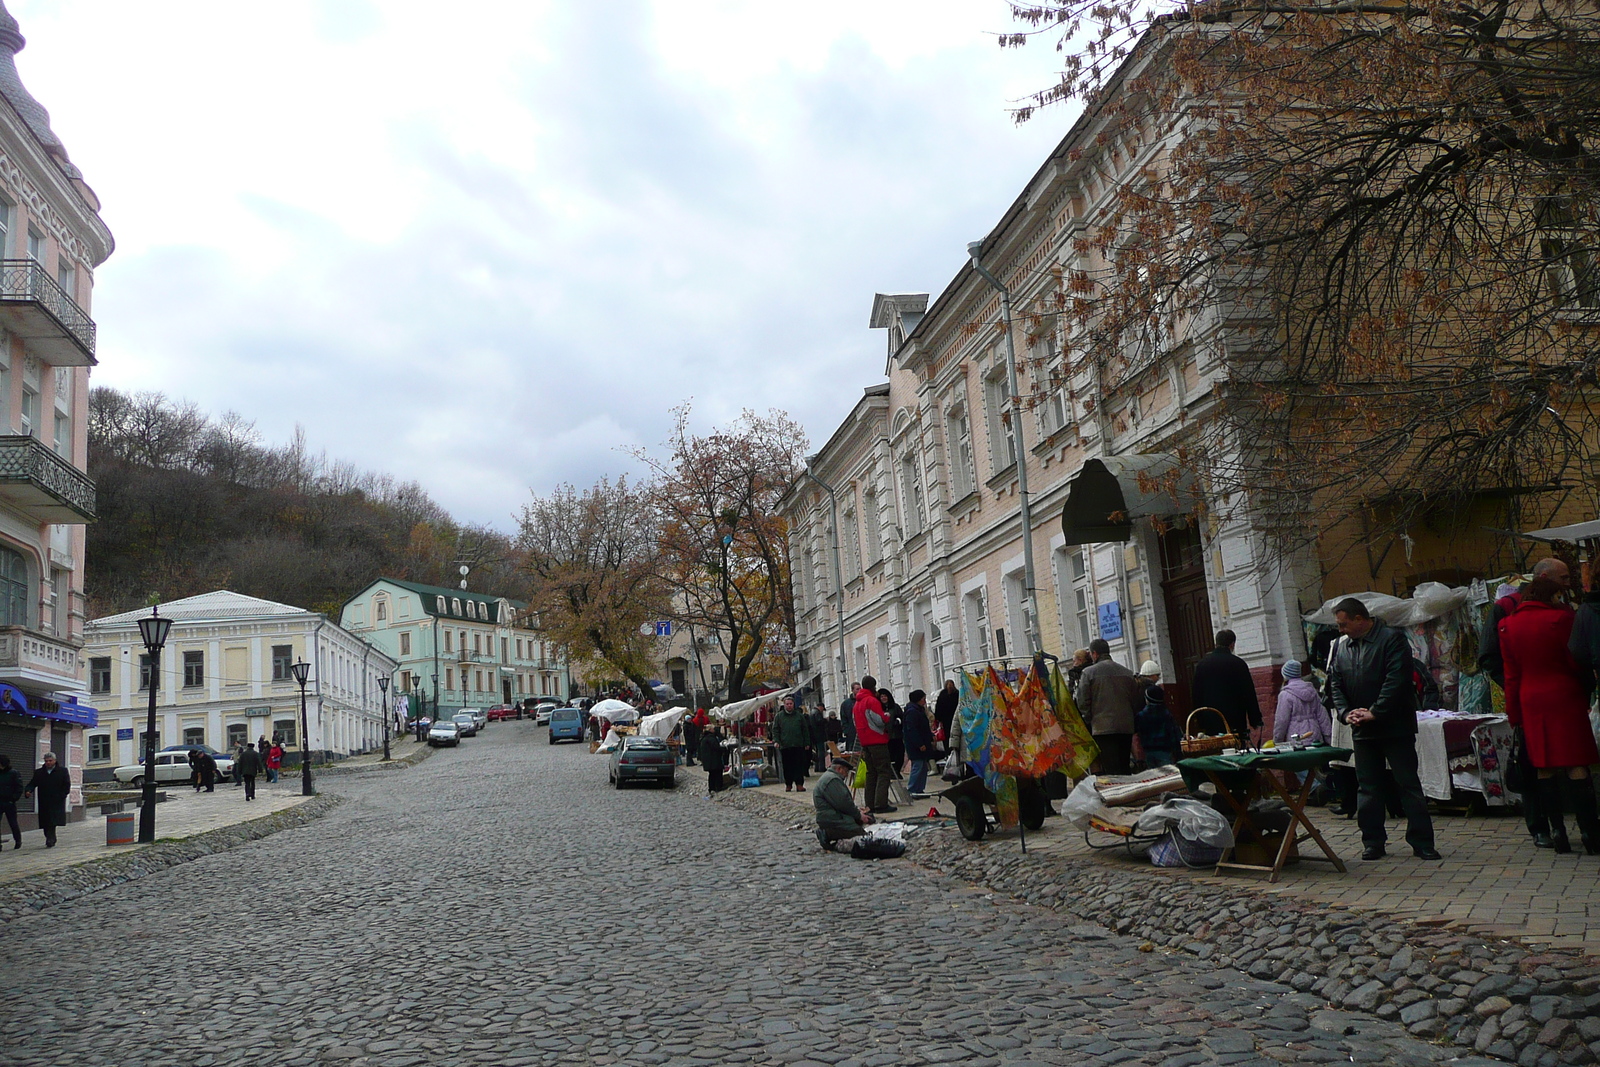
column 444, row 733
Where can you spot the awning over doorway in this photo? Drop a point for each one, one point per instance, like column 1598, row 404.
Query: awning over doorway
column 1105, row 498
column 68, row 709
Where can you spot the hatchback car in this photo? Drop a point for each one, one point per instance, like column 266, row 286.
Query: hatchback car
column 171, row 766
column 643, row 759
column 467, row 723
column 541, row 714
column 444, row 733
column 566, row 724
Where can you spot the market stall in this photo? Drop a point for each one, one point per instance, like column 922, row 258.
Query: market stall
column 752, row 753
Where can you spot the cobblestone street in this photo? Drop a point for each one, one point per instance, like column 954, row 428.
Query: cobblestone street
column 501, row 904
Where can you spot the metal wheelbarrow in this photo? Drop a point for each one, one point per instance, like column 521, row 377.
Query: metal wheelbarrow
column 976, row 812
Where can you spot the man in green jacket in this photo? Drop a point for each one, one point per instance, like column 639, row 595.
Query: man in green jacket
column 791, row 732
column 838, row 818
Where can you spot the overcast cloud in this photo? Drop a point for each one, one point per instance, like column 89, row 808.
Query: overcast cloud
column 484, row 244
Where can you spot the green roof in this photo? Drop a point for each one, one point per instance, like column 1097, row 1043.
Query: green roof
column 431, row 593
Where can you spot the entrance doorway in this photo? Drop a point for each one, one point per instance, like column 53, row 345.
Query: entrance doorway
column 505, row 691
column 1183, row 586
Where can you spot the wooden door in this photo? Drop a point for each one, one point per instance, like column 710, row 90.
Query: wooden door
column 1183, row 587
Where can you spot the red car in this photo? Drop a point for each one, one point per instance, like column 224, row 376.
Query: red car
column 501, row 712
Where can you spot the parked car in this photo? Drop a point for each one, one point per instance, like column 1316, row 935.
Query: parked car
column 172, row 765
column 541, row 713
column 566, row 724
column 643, row 759
column 500, row 713
column 479, row 716
column 466, row 722
column 444, row 733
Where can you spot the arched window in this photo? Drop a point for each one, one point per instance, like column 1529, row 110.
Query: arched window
column 13, row 588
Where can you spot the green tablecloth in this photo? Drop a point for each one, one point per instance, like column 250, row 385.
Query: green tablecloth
column 1242, row 766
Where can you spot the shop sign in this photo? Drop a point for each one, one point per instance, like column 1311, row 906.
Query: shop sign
column 15, row 701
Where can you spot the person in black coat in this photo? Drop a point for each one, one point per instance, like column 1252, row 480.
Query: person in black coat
column 1222, row 681
column 918, row 734
column 712, row 758
column 819, row 739
column 10, row 793
column 944, row 712
column 248, row 765
column 53, row 784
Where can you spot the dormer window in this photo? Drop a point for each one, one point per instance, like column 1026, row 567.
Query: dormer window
column 455, row 605
column 439, row 604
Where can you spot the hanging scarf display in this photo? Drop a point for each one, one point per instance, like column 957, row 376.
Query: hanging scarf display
column 976, row 713
column 1083, row 749
column 1028, row 739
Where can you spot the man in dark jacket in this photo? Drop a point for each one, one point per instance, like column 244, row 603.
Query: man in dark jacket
column 10, row 793
column 54, row 784
column 1369, row 676
column 248, row 765
column 791, row 732
column 711, row 757
column 1222, row 681
column 944, row 710
column 918, row 735
column 847, row 720
column 838, row 818
column 1109, row 698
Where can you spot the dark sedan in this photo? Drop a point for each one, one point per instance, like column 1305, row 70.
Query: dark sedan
column 643, row 759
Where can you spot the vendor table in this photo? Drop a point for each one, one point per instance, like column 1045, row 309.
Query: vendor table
column 1247, row 776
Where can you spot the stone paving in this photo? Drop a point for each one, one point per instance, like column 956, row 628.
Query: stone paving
column 500, row 904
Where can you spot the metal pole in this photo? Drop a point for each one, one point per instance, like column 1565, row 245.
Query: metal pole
column 147, row 807
column 383, row 699
column 838, row 578
column 305, row 746
column 1030, row 606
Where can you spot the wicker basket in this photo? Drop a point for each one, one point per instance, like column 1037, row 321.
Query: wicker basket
column 1195, row 745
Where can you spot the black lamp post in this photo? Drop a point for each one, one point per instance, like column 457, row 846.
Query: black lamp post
column 383, row 698
column 302, row 671
column 153, row 632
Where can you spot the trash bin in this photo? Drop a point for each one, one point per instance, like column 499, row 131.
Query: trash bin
column 120, row 828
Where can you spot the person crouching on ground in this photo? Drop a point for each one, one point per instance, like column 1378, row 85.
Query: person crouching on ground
column 838, row 818
column 1158, row 734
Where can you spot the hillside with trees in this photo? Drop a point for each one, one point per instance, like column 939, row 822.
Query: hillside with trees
column 189, row 503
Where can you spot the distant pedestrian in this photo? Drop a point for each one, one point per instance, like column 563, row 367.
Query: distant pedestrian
column 1158, row 734
column 263, row 746
column 897, row 742
column 53, row 784
column 10, row 793
column 1222, row 680
column 872, row 730
column 712, row 758
column 817, row 719
column 944, row 714
column 791, row 732
column 847, row 720
column 1109, row 699
column 1300, row 716
column 918, row 734
column 233, row 771
column 208, row 771
column 838, row 818
column 195, row 778
column 693, row 727
column 249, row 765
column 274, row 761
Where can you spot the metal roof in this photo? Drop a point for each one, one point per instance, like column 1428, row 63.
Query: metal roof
column 220, row 604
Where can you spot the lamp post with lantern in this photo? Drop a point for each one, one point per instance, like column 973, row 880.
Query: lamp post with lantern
column 383, row 698
column 153, row 632
column 302, row 671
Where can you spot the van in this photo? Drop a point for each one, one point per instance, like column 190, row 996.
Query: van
column 566, row 724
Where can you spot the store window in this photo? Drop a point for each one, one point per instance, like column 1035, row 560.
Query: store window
column 99, row 747
column 13, row 588
column 100, row 674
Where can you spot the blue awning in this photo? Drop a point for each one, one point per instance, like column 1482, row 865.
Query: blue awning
column 17, row 702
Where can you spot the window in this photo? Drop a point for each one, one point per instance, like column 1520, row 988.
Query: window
column 194, row 669
column 447, row 646
column 35, row 245
column 284, row 732
column 67, row 275
column 883, row 659
column 282, row 663
column 13, row 588
column 148, row 742
column 477, row 680
column 63, row 436
column 519, row 649
column 5, row 229
column 238, row 734
column 449, row 678
column 505, row 643
column 380, row 610
column 144, row 673
column 405, row 643
column 1000, row 641
column 438, row 602
column 99, row 747
column 716, row 674
column 30, row 411
column 455, row 606
column 100, row 674
column 477, row 647
column 963, row 477
column 1569, row 263
column 194, row 735
column 1051, row 382
column 1002, row 438
column 869, row 504
column 911, row 489
column 977, row 625
column 852, row 545
column 461, row 643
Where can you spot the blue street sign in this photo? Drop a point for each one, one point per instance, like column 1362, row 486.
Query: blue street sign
column 125, row 734
column 664, row 628
column 1110, row 620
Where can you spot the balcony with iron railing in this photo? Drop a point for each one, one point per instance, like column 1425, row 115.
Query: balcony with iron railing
column 34, row 307
column 42, row 484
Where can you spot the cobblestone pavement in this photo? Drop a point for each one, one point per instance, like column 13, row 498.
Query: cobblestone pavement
column 500, row 904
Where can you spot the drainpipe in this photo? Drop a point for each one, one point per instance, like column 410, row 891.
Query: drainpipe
column 1030, row 607
column 316, row 653
column 838, row 576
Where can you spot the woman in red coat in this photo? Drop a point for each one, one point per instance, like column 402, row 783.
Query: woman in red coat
column 1547, row 701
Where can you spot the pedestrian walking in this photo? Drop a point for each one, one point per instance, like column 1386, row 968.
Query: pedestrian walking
column 274, row 761
column 10, row 793
column 838, row 818
column 818, row 720
column 233, row 771
column 1109, row 699
column 791, row 732
column 249, row 765
column 1158, row 734
column 693, row 727
column 1547, row 699
column 712, row 758
column 1369, row 675
column 1222, row 680
column 872, row 730
column 918, row 733
column 53, row 784
column 1300, row 716
column 944, row 715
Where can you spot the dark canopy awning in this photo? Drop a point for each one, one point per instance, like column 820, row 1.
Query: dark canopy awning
column 1107, row 496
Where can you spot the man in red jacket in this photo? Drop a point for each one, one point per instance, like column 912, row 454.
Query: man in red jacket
column 872, row 730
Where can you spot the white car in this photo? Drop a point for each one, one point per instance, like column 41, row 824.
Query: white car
column 541, row 714
column 170, row 767
column 444, row 733
column 479, row 715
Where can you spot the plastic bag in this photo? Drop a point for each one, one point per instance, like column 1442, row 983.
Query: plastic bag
column 751, row 778
column 861, row 775
column 1194, row 820
column 877, row 848
column 951, row 771
column 1171, row 850
column 1084, row 801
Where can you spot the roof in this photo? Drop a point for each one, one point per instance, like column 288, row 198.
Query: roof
column 220, row 604
column 431, row 593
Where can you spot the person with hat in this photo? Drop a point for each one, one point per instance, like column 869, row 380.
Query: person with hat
column 1158, row 734
column 1150, row 671
column 838, row 818
column 1301, row 717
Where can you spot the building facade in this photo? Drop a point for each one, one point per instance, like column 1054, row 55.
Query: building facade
column 455, row 648
column 51, row 241
column 225, row 678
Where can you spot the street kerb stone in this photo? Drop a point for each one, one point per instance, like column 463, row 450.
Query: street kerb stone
column 1435, row 980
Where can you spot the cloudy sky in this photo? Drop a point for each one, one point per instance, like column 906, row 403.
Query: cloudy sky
column 487, row 244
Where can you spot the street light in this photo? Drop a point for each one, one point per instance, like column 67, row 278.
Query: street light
column 383, row 698
column 302, row 671
column 153, row 632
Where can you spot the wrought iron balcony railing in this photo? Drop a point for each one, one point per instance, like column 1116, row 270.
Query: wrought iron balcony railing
column 38, row 310
column 41, row 483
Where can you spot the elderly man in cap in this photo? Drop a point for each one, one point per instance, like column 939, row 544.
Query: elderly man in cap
column 838, row 818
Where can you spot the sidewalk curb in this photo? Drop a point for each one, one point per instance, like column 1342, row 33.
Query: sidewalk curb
column 49, row 888
column 398, row 763
column 1442, row 985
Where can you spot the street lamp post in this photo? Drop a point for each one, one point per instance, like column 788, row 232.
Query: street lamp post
column 153, row 632
column 302, row 671
column 383, row 698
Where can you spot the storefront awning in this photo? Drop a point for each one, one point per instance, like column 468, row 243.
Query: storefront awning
column 1583, row 531
column 1107, row 496
column 16, row 702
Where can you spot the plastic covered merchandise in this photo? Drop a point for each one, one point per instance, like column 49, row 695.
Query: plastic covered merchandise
column 1430, row 600
column 1193, row 819
column 1084, row 802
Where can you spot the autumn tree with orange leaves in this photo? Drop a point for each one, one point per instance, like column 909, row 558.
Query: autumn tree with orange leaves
column 1389, row 210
